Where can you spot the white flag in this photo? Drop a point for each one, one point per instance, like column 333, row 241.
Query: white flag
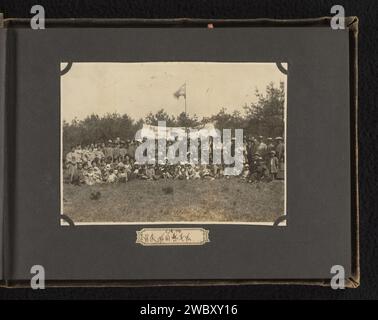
column 180, row 92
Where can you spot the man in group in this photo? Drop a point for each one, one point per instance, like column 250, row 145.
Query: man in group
column 261, row 147
column 270, row 145
column 280, row 149
column 108, row 151
column 280, row 154
column 116, row 149
column 131, row 149
column 250, row 148
column 98, row 153
column 123, row 150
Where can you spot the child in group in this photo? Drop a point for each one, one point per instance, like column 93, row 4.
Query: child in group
column 158, row 171
column 273, row 165
column 122, row 175
column 106, row 172
column 93, row 164
column 128, row 165
column 182, row 173
column 78, row 176
column 206, row 173
column 262, row 171
column 216, row 171
column 97, row 175
column 150, row 172
column 137, row 172
column 112, row 178
column 221, row 171
column 120, row 164
column 245, row 173
column 101, row 166
column 166, row 174
column 177, row 172
column 186, row 170
column 197, row 173
column 89, row 178
column 190, row 171
column 141, row 172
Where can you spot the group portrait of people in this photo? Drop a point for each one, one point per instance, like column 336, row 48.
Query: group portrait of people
column 113, row 161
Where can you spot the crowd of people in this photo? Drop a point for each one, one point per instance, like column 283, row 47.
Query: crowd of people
column 114, row 162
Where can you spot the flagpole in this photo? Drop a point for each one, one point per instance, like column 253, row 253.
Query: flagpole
column 186, row 116
column 185, row 99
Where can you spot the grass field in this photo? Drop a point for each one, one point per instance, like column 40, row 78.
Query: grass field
column 223, row 200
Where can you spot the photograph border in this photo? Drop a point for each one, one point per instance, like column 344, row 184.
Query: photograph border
column 281, row 221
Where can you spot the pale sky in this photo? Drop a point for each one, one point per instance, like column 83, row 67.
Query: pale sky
column 140, row 88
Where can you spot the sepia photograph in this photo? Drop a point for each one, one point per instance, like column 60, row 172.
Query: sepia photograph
column 173, row 142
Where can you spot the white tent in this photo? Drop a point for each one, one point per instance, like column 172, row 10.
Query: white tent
column 153, row 132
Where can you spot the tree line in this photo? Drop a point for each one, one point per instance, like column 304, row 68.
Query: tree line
column 264, row 117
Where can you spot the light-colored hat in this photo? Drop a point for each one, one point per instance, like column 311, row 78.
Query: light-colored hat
column 278, row 138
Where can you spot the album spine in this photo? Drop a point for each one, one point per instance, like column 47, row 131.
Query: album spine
column 3, row 152
column 3, row 41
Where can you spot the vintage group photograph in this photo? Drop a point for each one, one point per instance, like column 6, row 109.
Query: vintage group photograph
column 173, row 142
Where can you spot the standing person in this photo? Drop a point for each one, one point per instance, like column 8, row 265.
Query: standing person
column 250, row 152
column 262, row 147
column 99, row 155
column 90, row 155
column 103, row 149
column 273, row 164
column 78, row 176
column 270, row 145
column 116, row 149
column 280, row 149
column 108, row 150
column 131, row 149
column 123, row 150
column 71, row 163
column 78, row 152
column 280, row 153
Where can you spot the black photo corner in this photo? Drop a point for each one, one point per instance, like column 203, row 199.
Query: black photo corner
column 283, row 97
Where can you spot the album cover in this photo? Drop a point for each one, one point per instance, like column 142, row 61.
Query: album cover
column 139, row 152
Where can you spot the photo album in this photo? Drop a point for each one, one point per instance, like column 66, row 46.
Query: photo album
column 178, row 152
